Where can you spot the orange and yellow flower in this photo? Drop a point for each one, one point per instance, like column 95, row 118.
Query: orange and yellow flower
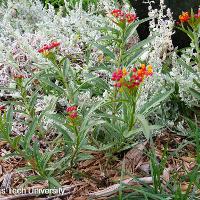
column 133, row 78
column 184, row 17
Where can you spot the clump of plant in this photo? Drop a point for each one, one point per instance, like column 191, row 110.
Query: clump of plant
column 107, row 125
column 189, row 61
column 128, row 75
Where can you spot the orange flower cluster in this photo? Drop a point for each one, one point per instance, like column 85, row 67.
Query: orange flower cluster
column 185, row 16
column 123, row 17
column 133, row 78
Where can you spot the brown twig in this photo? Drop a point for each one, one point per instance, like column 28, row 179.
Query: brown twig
column 114, row 188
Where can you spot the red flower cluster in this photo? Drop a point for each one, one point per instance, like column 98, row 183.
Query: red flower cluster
column 2, row 108
column 118, row 75
column 72, row 112
column 133, row 78
column 47, row 47
column 117, row 13
column 197, row 16
column 129, row 17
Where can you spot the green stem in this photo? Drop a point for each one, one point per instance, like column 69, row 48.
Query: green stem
column 132, row 121
column 196, row 44
column 76, row 146
column 121, row 49
column 114, row 105
column 25, row 101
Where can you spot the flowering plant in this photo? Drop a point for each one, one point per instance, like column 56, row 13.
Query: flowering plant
column 190, row 24
column 127, row 79
column 60, row 123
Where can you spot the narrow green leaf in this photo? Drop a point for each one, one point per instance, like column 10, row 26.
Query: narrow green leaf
column 132, row 58
column 81, row 86
column 145, row 126
column 16, row 141
column 9, row 119
column 197, row 83
column 105, row 50
column 29, row 134
column 195, row 93
column 89, row 148
column 67, row 134
column 140, row 44
column 52, row 85
column 128, row 134
column 188, row 67
column 132, row 28
column 155, row 101
column 84, row 156
column 54, row 182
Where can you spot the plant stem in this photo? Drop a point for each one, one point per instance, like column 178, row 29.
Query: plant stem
column 121, row 49
column 196, row 44
column 114, row 105
column 76, row 147
column 132, row 121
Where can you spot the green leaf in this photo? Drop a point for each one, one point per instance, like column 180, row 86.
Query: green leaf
column 24, row 169
column 140, row 44
column 52, row 85
column 16, row 141
column 102, row 84
column 7, row 156
column 195, row 93
column 9, row 120
column 29, row 134
column 155, row 101
column 188, row 67
column 90, row 148
column 132, row 58
column 108, row 28
column 105, row 50
column 35, row 178
column 197, row 83
column 54, row 182
column 106, row 147
column 7, row 88
column 128, row 134
column 189, row 33
column 82, row 85
column 60, row 119
column 90, row 113
column 67, row 134
column 68, row 71
column 38, row 158
column 33, row 99
column 84, row 156
column 102, row 66
column 46, row 158
column 145, row 126
column 132, row 28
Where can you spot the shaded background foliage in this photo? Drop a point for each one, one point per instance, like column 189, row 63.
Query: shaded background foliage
column 176, row 6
